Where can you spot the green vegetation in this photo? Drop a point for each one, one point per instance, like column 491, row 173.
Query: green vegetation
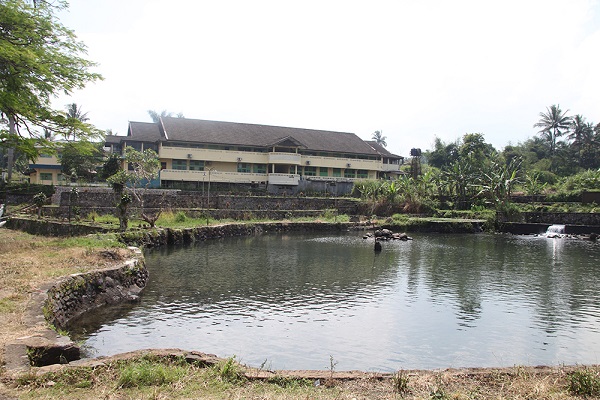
column 470, row 174
column 585, row 382
column 148, row 372
column 40, row 59
column 98, row 241
column 400, row 382
column 150, row 376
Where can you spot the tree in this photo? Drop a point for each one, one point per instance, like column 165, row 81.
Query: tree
column 475, row 149
column 39, row 59
column 443, row 154
column 79, row 159
column 379, row 138
column 111, row 166
column 75, row 116
column 164, row 113
column 143, row 167
column 554, row 123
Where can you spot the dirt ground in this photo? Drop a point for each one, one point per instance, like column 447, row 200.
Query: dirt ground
column 28, row 262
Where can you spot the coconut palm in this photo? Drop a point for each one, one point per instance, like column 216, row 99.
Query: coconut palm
column 75, row 115
column 554, row 123
column 379, row 138
column 580, row 132
column 164, row 113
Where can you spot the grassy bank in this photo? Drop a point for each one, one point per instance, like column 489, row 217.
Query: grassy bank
column 159, row 377
column 27, row 262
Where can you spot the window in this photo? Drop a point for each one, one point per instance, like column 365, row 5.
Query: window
column 260, row 168
column 196, row 165
column 46, row 176
column 323, row 171
column 350, row 173
column 243, row 167
column 134, row 145
column 362, row 173
column 337, row 172
column 180, row 164
column 310, row 171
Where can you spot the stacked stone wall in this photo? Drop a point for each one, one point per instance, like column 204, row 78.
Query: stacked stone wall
column 168, row 236
column 102, row 201
column 591, row 219
column 80, row 293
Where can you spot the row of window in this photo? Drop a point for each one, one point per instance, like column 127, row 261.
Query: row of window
column 198, row 165
column 335, row 172
column 266, row 150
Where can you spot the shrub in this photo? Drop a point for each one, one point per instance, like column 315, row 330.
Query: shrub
column 585, row 382
column 586, row 180
column 180, row 216
column 229, row 370
column 400, row 382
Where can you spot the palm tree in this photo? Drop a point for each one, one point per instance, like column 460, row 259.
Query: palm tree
column 554, row 123
column 379, row 138
column 75, row 115
column 580, row 133
column 164, row 113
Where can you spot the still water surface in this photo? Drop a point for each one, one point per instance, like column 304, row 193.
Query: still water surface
column 435, row 302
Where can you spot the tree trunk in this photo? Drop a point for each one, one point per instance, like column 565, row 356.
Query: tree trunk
column 11, row 150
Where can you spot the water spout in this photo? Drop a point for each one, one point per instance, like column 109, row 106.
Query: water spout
column 555, row 231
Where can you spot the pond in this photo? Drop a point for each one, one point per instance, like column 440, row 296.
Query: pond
column 305, row 301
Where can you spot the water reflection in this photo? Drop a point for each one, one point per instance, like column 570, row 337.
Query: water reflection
column 438, row 301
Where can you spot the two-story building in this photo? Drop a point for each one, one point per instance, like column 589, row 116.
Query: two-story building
column 195, row 152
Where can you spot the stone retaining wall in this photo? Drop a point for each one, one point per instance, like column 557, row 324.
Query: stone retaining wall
column 167, row 236
column 80, row 293
column 590, row 219
column 52, row 228
column 102, row 201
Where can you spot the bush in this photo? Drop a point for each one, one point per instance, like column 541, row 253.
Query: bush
column 586, row 180
column 585, row 382
column 180, row 216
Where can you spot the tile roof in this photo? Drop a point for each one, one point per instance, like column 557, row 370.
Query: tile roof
column 241, row 134
column 381, row 150
column 144, row 132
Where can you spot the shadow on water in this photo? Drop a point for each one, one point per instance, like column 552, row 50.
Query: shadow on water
column 438, row 301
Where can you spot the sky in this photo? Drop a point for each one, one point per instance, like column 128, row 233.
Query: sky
column 415, row 70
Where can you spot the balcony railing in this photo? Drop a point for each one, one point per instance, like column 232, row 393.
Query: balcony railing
column 213, row 176
column 284, row 179
column 285, row 158
column 390, row 167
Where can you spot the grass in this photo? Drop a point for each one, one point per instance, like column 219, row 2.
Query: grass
column 149, row 373
column 28, row 261
column 149, row 376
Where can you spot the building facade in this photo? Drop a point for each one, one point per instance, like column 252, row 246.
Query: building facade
column 281, row 159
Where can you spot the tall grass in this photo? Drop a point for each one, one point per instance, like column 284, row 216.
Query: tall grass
column 149, row 373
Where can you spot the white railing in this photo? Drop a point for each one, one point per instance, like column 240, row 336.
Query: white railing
column 390, row 167
column 212, row 176
column 284, row 179
column 285, row 158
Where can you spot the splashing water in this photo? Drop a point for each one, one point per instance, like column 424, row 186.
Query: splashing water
column 555, row 231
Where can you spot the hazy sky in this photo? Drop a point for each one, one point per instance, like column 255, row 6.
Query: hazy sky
column 413, row 69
